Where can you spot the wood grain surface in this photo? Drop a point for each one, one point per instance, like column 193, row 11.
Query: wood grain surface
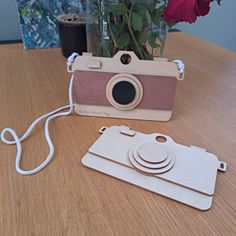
column 69, row 199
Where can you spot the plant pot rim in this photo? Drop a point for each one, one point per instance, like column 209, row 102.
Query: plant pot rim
column 71, row 19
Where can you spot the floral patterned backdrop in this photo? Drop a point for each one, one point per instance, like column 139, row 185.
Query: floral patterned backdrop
column 38, row 20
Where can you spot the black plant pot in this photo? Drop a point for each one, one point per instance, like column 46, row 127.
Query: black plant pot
column 72, row 33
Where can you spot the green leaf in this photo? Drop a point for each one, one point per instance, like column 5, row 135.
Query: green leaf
column 118, row 9
column 152, row 6
column 136, row 21
column 143, row 36
column 148, row 18
column 139, row 9
column 118, row 28
column 143, row 13
column 123, row 40
column 157, row 13
column 152, row 40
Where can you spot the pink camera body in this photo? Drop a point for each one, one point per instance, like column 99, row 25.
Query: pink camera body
column 124, row 86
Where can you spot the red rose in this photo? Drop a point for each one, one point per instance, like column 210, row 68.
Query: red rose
column 186, row 10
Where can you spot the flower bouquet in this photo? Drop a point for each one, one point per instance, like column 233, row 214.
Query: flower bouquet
column 137, row 25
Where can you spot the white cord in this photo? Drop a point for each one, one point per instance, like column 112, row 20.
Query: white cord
column 71, row 58
column 180, row 65
column 17, row 141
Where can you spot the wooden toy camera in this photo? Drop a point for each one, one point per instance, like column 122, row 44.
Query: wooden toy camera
column 124, row 86
column 185, row 174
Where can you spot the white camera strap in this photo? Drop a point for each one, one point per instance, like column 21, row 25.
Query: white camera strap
column 17, row 141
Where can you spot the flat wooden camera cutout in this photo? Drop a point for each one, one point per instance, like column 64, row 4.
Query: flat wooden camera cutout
column 156, row 163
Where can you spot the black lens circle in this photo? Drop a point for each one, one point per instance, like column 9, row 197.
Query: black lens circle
column 123, row 92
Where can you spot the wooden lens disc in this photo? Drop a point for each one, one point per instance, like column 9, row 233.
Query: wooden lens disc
column 152, row 152
column 150, row 165
column 150, row 171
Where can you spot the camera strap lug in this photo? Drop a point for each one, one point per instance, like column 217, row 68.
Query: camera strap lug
column 102, row 130
column 222, row 166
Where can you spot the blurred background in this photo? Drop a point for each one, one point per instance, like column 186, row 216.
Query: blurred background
column 218, row 27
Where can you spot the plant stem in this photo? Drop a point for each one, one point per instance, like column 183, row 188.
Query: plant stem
column 161, row 46
column 132, row 33
column 112, row 35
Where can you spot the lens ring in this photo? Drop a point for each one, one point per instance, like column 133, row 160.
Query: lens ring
column 128, row 78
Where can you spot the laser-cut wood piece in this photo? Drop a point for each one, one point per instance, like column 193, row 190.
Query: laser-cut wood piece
column 152, row 153
column 191, row 180
column 148, row 170
column 149, row 165
column 94, row 64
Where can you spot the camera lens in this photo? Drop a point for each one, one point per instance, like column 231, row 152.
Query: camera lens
column 123, row 92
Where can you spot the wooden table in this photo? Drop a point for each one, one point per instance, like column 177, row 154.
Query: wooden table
column 69, row 199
